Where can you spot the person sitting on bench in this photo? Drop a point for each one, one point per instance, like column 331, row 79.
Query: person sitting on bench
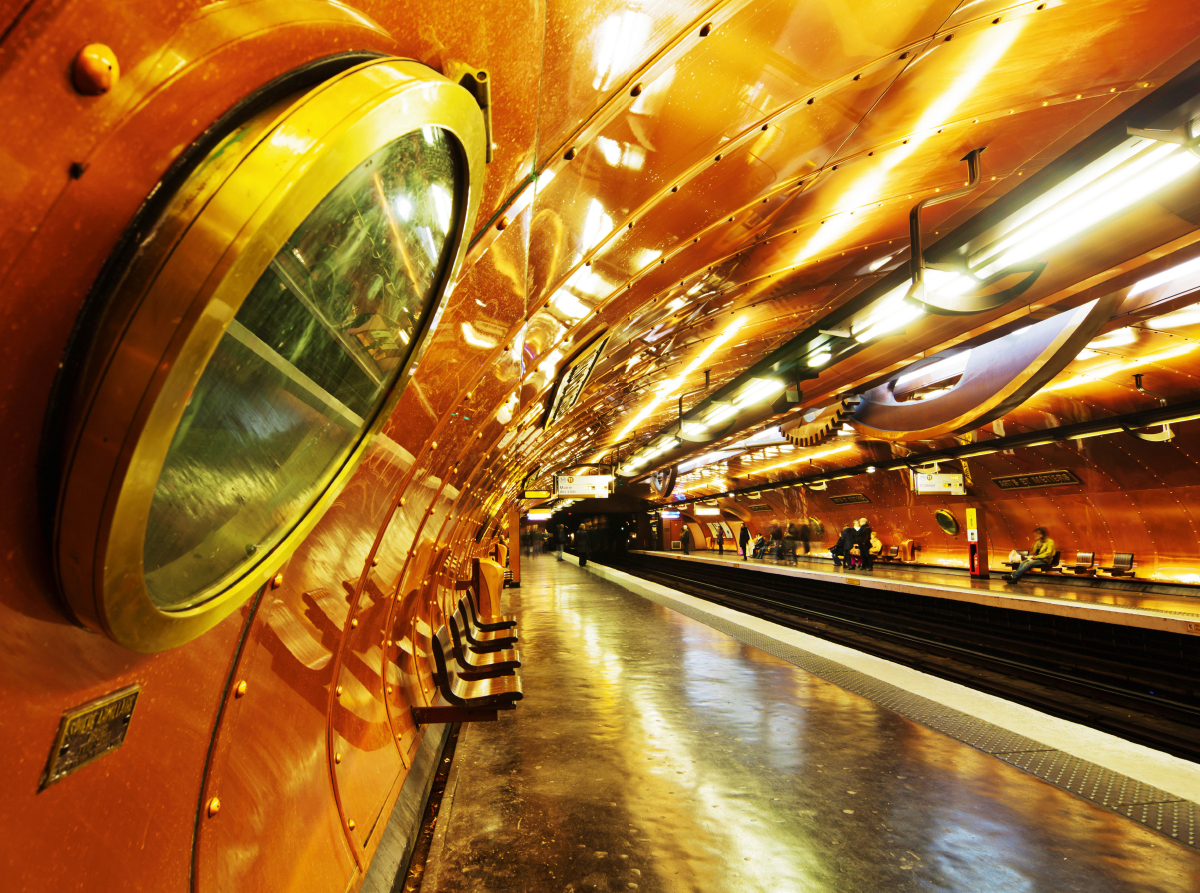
column 1040, row 554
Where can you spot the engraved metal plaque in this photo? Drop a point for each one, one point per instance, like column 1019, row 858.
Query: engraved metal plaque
column 849, row 499
column 1036, row 480
column 88, row 732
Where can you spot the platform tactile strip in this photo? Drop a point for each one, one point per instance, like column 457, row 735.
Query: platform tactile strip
column 1145, row 804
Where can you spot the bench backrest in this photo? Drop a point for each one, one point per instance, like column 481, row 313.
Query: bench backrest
column 446, row 665
column 894, row 551
column 1085, row 559
column 1123, row 559
column 1055, row 558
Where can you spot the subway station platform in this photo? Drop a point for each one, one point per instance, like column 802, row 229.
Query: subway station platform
column 668, row 744
column 1126, row 602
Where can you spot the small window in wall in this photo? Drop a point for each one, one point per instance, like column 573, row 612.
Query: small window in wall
column 946, row 521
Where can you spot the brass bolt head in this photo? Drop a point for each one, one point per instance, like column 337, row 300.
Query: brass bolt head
column 375, row 562
column 277, row 581
column 94, row 70
column 354, row 624
column 240, row 690
column 337, row 757
column 214, row 806
column 350, row 824
column 338, row 691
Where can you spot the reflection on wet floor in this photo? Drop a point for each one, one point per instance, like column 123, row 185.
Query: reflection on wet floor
column 654, row 753
column 1029, row 586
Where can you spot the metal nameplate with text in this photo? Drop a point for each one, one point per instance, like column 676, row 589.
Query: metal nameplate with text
column 88, row 732
column 1036, row 480
column 849, row 499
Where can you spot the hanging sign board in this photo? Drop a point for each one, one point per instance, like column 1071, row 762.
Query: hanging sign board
column 946, row 484
column 667, row 513
column 582, row 484
column 706, row 510
column 536, row 494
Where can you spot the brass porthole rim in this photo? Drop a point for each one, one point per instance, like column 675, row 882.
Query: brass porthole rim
column 293, row 164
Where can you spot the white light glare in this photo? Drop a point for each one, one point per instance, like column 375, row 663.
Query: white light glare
column 819, row 359
column 1121, row 178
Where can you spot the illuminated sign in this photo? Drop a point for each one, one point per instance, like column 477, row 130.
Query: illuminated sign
column 707, row 510
column 537, row 516
column 667, row 513
column 536, row 494
column 582, row 484
column 946, row 484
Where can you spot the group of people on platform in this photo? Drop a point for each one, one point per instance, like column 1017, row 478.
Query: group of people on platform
column 857, row 547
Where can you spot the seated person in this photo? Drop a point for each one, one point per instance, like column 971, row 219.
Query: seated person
column 876, row 546
column 1040, row 554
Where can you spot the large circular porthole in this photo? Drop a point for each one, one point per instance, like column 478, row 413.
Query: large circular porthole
column 255, row 343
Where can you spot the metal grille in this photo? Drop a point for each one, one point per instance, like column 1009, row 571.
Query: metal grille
column 1156, row 809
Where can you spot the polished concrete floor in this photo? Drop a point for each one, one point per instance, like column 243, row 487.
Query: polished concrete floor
column 654, row 753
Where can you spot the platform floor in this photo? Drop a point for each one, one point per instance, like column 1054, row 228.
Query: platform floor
column 655, row 753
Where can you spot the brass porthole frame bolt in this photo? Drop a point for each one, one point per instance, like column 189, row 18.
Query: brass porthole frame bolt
column 214, row 806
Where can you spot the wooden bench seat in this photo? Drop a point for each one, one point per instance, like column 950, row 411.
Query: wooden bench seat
column 463, row 699
column 1122, row 565
column 477, row 664
column 1083, row 566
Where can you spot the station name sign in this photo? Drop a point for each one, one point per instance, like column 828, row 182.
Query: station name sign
column 582, row 484
column 1057, row 478
column 951, row 484
column 848, row 499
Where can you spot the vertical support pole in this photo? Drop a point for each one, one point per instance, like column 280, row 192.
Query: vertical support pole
column 977, row 543
column 514, row 545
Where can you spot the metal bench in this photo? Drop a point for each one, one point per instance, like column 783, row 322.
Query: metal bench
column 460, row 698
column 889, row 553
column 1122, row 565
column 476, row 665
column 1083, row 566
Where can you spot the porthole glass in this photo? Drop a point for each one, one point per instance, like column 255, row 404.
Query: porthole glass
column 238, row 361
column 302, row 368
column 946, row 521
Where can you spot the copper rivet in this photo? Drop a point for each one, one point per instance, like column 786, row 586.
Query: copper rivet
column 214, row 806
column 402, row 498
column 240, row 690
column 636, row 91
column 337, row 757
column 277, row 581
column 354, row 624
column 350, row 824
column 338, row 692
column 95, row 70
column 706, row 30
column 569, row 154
column 502, row 223
column 375, row 562
column 433, row 446
column 389, row 689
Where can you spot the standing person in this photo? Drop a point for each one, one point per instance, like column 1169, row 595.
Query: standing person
column 721, row 541
column 561, row 536
column 744, row 541
column 863, row 539
column 581, row 545
column 841, row 549
column 805, row 536
column 685, row 539
column 1040, row 554
column 777, row 541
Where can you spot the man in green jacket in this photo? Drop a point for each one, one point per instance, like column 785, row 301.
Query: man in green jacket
column 1040, row 554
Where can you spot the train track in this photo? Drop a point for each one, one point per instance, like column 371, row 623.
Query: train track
column 1138, row 684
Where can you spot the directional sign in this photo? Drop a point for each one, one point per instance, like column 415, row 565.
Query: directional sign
column 582, row 484
column 536, row 494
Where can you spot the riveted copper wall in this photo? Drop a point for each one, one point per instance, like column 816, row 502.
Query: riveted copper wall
column 752, row 181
